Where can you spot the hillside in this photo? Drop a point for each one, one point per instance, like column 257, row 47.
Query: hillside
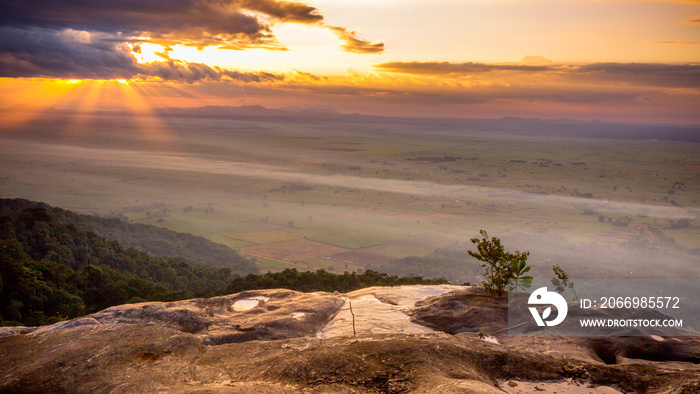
column 52, row 271
column 281, row 341
column 154, row 240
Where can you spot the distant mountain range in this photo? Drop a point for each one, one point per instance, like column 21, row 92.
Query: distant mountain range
column 533, row 126
column 320, row 115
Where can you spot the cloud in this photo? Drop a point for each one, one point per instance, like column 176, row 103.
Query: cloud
column 286, row 11
column 354, row 44
column 378, row 91
column 641, row 74
column 80, row 55
column 37, row 52
column 535, row 60
column 186, row 22
column 249, row 77
column 175, row 71
column 649, row 74
column 693, row 21
column 303, row 75
column 675, row 42
column 165, row 54
column 95, row 39
column 445, row 68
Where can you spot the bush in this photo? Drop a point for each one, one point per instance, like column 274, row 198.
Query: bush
column 500, row 266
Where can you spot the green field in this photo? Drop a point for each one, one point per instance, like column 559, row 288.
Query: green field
column 360, row 188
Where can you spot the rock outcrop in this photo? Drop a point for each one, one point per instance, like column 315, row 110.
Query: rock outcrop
column 409, row 339
column 241, row 317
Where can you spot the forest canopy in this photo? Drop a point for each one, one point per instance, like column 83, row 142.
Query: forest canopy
column 154, row 240
column 52, row 271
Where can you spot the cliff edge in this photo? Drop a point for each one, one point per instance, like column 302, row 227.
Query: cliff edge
column 423, row 339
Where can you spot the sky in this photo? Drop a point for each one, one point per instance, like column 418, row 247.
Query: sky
column 612, row 60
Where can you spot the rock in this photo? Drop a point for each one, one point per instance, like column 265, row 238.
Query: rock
column 97, row 358
column 16, row 330
column 381, row 310
column 277, row 314
column 468, row 309
column 206, row 346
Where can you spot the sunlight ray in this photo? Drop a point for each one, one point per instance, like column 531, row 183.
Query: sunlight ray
column 142, row 111
column 31, row 98
column 85, row 100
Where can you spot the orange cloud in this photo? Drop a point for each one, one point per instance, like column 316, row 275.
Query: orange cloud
column 636, row 74
column 354, row 44
column 675, row 42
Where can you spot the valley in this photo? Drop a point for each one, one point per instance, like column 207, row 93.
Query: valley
column 347, row 194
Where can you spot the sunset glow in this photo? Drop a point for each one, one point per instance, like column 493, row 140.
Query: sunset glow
column 582, row 59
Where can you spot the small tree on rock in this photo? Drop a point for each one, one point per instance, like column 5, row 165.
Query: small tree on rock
column 561, row 282
column 499, row 266
column 518, row 278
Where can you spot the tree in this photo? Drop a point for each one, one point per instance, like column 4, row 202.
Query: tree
column 499, row 266
column 518, row 278
column 561, row 282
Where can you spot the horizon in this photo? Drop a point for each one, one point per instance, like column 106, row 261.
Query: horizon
column 317, row 109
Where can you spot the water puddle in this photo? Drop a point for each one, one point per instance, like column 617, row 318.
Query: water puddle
column 248, row 304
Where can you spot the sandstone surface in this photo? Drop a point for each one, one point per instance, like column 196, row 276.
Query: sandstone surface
column 422, row 339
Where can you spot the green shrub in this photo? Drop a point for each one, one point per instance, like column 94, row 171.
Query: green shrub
column 499, row 266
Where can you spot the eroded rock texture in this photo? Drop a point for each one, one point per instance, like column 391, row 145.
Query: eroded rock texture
column 271, row 342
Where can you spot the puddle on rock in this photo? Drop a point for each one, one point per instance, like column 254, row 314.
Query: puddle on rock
column 248, row 304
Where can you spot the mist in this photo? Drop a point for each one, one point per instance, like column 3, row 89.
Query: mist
column 367, row 194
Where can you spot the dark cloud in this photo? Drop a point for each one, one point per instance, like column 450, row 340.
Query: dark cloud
column 444, row 68
column 94, row 39
column 187, row 22
column 180, row 71
column 39, row 52
column 79, row 55
column 354, row 44
column 249, row 77
column 286, row 11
